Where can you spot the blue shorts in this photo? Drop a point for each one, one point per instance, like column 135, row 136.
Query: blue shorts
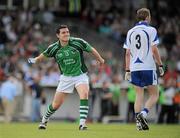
column 144, row 78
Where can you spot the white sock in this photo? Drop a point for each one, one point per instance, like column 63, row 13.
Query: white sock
column 44, row 120
column 144, row 114
column 82, row 122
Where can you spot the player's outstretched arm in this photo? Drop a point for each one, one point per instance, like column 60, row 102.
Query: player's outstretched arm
column 36, row 59
column 97, row 56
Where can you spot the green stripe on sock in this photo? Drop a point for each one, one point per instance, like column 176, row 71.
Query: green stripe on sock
column 84, row 102
column 49, row 111
column 51, row 108
column 83, row 113
column 83, row 108
column 83, row 117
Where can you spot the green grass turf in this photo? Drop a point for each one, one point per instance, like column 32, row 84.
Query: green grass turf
column 70, row 130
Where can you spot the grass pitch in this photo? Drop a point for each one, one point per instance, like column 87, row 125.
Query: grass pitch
column 70, row 130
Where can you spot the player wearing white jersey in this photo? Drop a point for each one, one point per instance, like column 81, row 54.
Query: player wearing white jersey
column 141, row 54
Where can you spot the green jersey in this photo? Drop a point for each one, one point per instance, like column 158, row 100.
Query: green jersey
column 70, row 57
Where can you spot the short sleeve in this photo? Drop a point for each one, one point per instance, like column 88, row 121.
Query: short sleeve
column 125, row 46
column 50, row 51
column 126, row 43
column 85, row 46
column 154, row 37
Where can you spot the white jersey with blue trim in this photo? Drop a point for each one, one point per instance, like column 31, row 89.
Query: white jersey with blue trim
column 139, row 40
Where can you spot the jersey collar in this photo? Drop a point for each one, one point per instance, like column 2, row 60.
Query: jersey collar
column 142, row 23
column 61, row 45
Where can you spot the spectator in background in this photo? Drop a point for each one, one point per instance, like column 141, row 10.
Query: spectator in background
column 131, row 95
column 105, row 102
column 175, row 49
column 19, row 95
column 51, row 77
column 177, row 106
column 163, row 52
column 8, row 93
column 92, row 98
column 3, row 38
column 1, row 80
column 9, row 64
column 166, row 97
column 23, row 20
column 74, row 7
column 170, row 75
column 48, row 17
column 110, row 61
column 38, row 97
column 1, row 74
column 105, row 28
column 115, row 91
column 116, row 30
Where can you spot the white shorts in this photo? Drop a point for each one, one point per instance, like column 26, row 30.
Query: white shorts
column 67, row 83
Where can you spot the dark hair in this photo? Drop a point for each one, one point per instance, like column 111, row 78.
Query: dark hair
column 60, row 27
column 142, row 14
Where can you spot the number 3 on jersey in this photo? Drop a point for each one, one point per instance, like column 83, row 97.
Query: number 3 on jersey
column 138, row 41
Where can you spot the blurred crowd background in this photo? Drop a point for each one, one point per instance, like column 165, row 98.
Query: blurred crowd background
column 27, row 27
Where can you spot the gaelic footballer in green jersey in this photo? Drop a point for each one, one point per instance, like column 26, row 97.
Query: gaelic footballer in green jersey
column 70, row 57
column 68, row 53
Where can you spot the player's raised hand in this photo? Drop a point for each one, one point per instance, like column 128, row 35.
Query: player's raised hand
column 31, row 60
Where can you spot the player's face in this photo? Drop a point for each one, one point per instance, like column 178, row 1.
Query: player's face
column 64, row 35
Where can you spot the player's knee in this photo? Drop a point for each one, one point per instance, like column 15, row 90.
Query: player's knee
column 84, row 95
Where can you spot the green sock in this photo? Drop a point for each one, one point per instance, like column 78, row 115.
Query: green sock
column 49, row 111
column 83, row 109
